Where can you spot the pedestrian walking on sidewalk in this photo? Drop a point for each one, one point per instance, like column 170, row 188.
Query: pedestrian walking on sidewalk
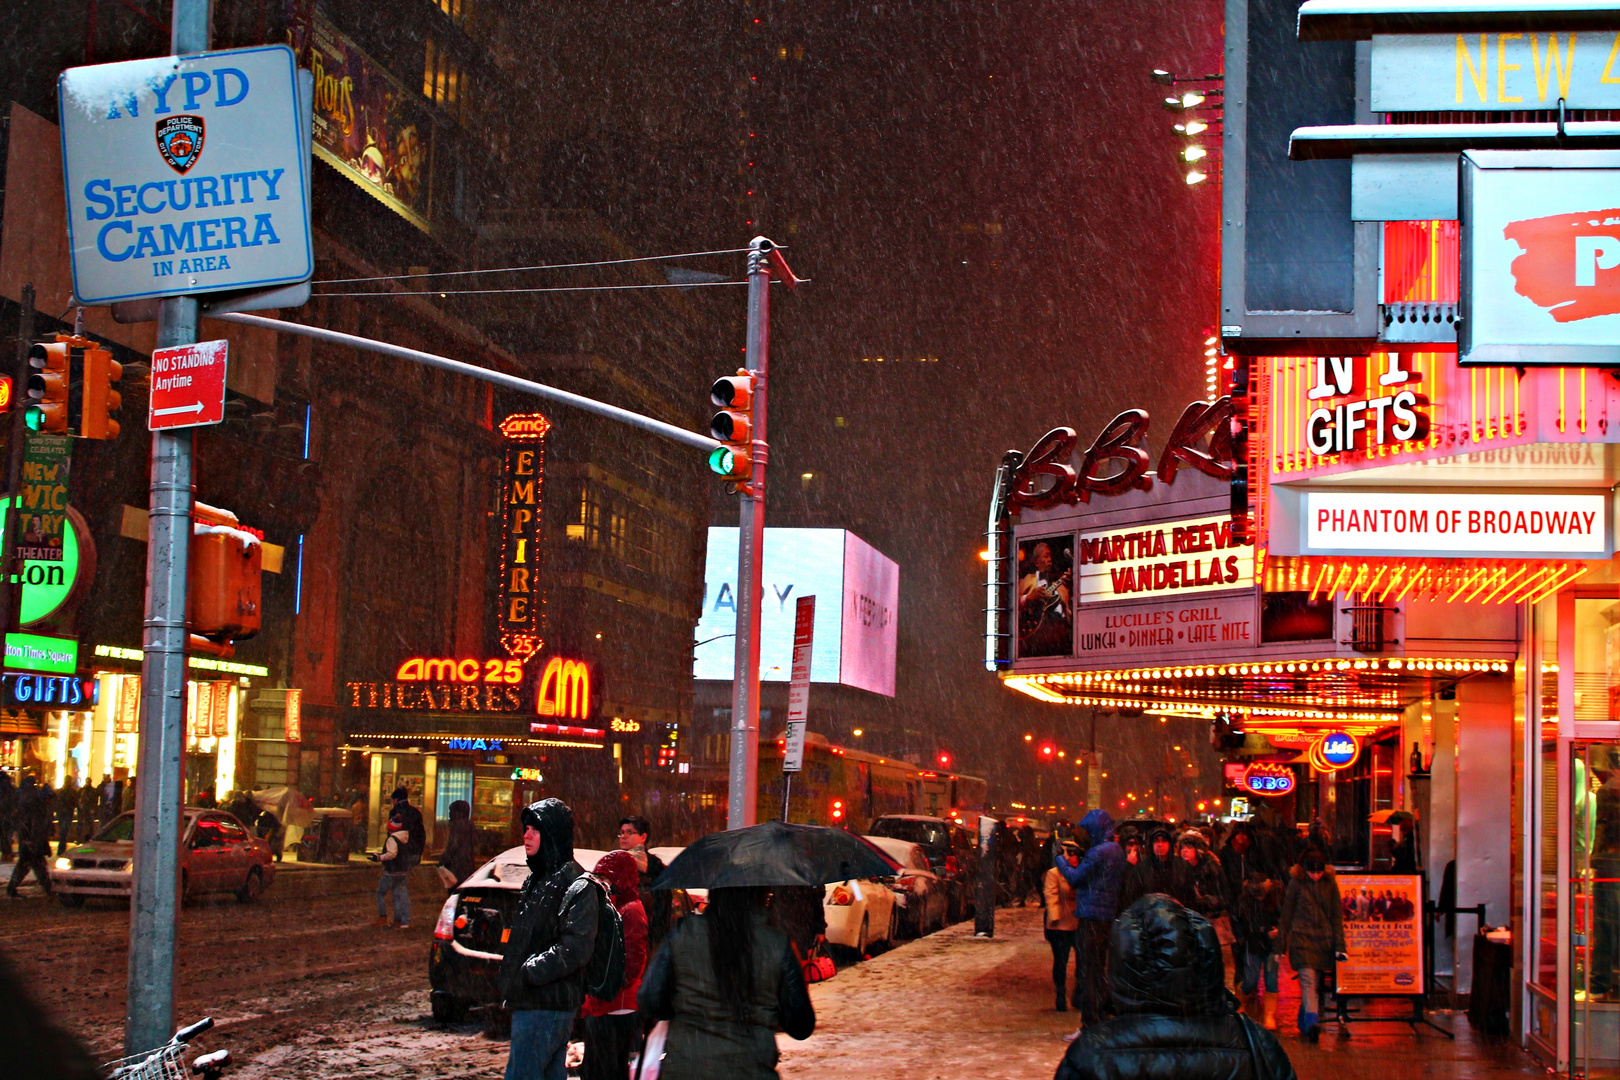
column 542, row 976
column 34, row 805
column 1153, row 872
column 634, row 832
column 1061, row 923
column 1202, row 887
column 726, row 981
column 8, row 814
column 1096, row 883
column 611, row 1027
column 456, row 861
column 1312, row 930
column 399, row 858
column 1256, row 917
column 1172, row 1016
column 65, row 806
column 89, row 804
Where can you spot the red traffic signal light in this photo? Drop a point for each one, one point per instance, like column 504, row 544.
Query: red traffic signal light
column 944, row 759
column 1048, row 751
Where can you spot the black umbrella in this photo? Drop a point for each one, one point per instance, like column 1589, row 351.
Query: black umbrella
column 775, row 855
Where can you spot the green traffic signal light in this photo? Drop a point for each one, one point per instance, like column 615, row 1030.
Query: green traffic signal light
column 723, row 460
column 34, row 418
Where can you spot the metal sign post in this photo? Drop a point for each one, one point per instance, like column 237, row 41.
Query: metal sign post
column 804, row 628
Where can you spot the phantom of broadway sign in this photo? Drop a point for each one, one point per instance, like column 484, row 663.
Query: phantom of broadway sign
column 523, row 463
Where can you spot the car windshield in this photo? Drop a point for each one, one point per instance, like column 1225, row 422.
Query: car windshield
column 120, row 829
column 917, row 832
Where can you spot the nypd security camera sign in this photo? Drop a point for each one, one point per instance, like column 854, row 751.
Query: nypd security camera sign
column 185, row 175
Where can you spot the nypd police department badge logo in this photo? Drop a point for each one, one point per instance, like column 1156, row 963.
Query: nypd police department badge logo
column 180, row 141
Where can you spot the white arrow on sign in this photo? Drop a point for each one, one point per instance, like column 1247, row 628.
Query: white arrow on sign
column 195, row 408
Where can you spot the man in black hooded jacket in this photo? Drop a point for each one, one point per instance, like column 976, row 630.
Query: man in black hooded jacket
column 550, row 941
column 1172, row 1015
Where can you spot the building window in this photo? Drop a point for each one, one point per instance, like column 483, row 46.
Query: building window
column 618, row 535
column 589, row 526
column 445, row 83
column 459, row 10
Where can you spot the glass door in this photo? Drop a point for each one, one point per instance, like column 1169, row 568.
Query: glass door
column 1594, row 807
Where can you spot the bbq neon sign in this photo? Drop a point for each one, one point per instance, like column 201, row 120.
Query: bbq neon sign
column 1268, row 778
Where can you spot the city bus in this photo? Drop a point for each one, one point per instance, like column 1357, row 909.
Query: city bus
column 850, row 788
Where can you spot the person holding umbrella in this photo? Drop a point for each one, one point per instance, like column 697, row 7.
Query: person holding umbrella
column 727, row 980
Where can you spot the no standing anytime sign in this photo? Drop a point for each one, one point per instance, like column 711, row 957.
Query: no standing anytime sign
column 184, row 175
column 188, row 386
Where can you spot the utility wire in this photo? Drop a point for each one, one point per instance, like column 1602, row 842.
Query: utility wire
column 540, row 289
column 519, row 269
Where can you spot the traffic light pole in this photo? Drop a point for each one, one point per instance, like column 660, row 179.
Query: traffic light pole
column 154, row 906
column 10, row 591
column 743, row 789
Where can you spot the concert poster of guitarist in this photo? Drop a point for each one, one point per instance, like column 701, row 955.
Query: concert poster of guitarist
column 1045, row 610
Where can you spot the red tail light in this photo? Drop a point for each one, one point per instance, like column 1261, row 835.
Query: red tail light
column 444, row 929
column 950, row 864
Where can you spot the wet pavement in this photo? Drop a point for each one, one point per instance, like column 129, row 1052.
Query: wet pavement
column 303, row 986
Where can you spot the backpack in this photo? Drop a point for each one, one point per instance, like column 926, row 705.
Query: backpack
column 604, row 971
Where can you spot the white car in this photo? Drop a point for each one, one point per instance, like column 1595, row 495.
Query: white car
column 861, row 913
column 924, row 901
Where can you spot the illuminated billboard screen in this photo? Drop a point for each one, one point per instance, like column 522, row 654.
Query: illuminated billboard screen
column 857, row 591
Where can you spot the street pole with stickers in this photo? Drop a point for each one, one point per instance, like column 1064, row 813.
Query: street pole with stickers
column 187, row 192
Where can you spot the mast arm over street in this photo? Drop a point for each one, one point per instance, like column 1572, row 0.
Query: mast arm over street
column 499, row 378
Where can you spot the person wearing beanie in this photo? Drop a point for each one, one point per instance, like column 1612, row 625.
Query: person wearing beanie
column 1312, row 933
column 542, row 976
column 610, row 1026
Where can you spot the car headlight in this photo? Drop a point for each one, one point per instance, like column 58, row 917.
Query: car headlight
column 63, row 864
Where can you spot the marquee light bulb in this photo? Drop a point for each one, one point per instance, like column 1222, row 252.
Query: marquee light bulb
column 1196, row 126
column 1196, row 177
column 1191, row 99
column 1194, row 153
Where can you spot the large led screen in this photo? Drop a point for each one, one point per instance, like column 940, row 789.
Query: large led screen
column 857, row 591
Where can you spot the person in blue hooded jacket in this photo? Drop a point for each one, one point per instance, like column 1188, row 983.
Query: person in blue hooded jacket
column 1096, row 884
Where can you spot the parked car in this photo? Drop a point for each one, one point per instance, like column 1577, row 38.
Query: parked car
column 861, row 913
column 217, row 854
column 921, row 893
column 952, row 852
column 470, row 933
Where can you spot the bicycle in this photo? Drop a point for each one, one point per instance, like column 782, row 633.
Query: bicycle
column 165, row 1063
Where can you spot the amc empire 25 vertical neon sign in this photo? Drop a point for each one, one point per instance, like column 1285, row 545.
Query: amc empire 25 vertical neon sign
column 522, row 468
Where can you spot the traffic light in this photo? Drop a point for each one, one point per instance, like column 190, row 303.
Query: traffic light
column 223, row 594
column 734, row 426
column 943, row 758
column 48, row 386
column 1048, row 751
column 101, row 371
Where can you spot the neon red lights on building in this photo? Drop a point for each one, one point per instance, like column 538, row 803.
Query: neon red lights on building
column 1268, row 778
column 565, row 689
column 525, row 427
column 567, row 729
column 465, row 670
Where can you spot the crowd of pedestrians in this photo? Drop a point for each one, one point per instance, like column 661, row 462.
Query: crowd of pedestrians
column 724, row 982
column 1262, row 893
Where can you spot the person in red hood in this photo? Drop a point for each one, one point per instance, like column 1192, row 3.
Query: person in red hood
column 610, row 1026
